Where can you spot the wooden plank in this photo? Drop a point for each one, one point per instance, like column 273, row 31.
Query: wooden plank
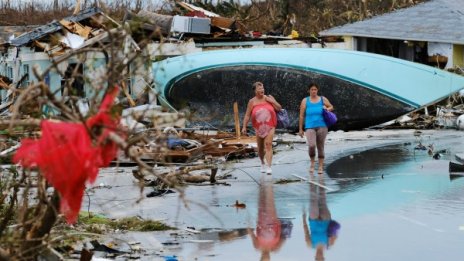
column 111, row 19
column 185, row 6
column 42, row 46
column 3, row 84
column 76, row 28
column 314, row 183
column 222, row 22
column 84, row 31
column 237, row 120
column 126, row 93
column 68, row 25
column 77, row 8
column 242, row 140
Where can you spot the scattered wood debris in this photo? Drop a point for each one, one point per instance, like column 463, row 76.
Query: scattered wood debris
column 442, row 115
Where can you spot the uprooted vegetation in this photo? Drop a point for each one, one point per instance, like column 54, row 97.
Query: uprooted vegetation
column 94, row 223
column 35, row 199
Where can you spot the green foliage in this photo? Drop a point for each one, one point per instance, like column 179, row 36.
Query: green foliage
column 129, row 223
column 135, row 224
column 6, row 159
column 90, row 219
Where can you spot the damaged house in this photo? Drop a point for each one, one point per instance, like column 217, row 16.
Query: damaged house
column 196, row 29
column 47, row 44
column 428, row 33
column 41, row 46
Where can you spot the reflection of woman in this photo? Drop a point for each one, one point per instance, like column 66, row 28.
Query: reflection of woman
column 315, row 129
column 269, row 236
column 261, row 109
column 322, row 231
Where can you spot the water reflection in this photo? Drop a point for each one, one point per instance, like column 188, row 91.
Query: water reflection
column 322, row 231
column 357, row 170
column 271, row 231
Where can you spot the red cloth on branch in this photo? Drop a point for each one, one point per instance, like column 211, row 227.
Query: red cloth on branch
column 68, row 157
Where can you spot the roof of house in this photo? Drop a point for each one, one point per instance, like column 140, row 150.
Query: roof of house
column 432, row 21
column 52, row 27
column 13, row 30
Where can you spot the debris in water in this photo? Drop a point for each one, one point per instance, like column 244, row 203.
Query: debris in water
column 239, row 205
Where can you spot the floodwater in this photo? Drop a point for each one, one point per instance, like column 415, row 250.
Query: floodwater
column 391, row 203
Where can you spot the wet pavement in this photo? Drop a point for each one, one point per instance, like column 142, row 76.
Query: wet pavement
column 391, row 200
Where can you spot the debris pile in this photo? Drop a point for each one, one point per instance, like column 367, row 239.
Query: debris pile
column 446, row 114
column 185, row 156
column 83, row 29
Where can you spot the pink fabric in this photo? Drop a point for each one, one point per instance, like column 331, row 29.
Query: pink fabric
column 68, row 157
column 263, row 118
column 268, row 234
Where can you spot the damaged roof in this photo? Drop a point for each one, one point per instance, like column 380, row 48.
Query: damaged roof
column 52, row 27
column 7, row 31
column 432, row 21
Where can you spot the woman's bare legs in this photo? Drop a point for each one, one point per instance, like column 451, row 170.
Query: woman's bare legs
column 320, row 169
column 268, row 147
column 260, row 143
column 320, row 135
column 311, row 167
column 311, row 140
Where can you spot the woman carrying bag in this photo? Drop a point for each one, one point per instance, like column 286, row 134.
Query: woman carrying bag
column 313, row 125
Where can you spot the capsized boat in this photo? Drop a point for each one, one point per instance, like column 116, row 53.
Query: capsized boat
column 366, row 89
column 456, row 170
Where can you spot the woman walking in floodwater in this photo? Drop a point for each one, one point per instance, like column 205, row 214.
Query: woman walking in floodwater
column 262, row 111
column 313, row 124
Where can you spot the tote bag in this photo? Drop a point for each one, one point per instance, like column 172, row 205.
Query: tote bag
column 329, row 117
column 282, row 119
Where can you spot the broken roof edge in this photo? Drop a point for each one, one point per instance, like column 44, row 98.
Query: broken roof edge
column 392, row 38
column 197, row 8
column 84, row 14
column 7, row 31
column 52, row 27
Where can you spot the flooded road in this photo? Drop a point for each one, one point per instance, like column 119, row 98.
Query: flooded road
column 389, row 203
column 413, row 213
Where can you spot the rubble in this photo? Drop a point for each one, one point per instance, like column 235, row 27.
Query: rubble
column 447, row 116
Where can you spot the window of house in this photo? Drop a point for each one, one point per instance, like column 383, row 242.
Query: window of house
column 26, row 78
column 9, row 72
column 73, row 80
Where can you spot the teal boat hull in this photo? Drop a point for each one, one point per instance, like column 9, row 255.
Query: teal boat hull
column 365, row 89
